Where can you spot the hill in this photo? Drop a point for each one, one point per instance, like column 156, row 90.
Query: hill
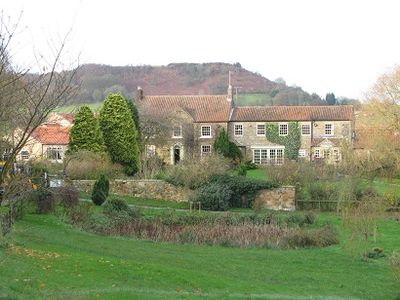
column 97, row 81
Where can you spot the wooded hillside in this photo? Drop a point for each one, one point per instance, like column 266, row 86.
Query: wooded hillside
column 187, row 78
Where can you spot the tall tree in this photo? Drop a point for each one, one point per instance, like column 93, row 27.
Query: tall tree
column 119, row 132
column 330, row 99
column 384, row 98
column 135, row 117
column 85, row 133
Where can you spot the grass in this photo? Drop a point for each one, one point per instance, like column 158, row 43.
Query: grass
column 145, row 202
column 53, row 260
column 253, row 99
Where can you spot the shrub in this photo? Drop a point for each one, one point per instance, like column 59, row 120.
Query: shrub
column 89, row 165
column 67, row 195
column 376, row 253
column 243, row 189
column 195, row 172
column 213, row 196
column 225, row 147
column 241, row 170
column 100, row 190
column 80, row 213
column 304, row 238
column 45, row 201
column 115, row 205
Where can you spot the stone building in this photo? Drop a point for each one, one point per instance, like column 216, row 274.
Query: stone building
column 192, row 123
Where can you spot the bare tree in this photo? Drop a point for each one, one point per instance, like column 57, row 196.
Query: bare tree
column 384, row 98
column 27, row 98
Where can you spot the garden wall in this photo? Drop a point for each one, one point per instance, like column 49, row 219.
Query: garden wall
column 152, row 189
column 282, row 198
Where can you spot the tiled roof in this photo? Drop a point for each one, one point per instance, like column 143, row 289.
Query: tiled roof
column 202, row 108
column 67, row 116
column 51, row 134
column 293, row 113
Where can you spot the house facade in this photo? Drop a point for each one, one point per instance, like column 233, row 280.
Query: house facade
column 321, row 129
column 49, row 140
column 191, row 123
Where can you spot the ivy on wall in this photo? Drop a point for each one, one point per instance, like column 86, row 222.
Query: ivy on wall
column 291, row 141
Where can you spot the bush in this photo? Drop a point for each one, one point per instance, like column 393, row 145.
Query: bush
column 80, row 213
column 241, row 170
column 193, row 173
column 243, row 189
column 213, row 196
column 115, row 205
column 224, row 191
column 303, row 238
column 306, row 219
column 45, row 201
column 68, row 196
column 89, row 165
column 100, row 190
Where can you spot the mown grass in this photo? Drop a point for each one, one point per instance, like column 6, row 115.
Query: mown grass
column 253, row 99
column 53, row 260
column 145, row 202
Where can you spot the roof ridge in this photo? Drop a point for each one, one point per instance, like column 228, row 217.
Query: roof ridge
column 207, row 95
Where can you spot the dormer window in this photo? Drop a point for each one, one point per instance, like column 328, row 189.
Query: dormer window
column 177, row 132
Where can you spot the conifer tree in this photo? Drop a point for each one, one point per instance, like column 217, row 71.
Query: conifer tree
column 223, row 146
column 119, row 132
column 85, row 133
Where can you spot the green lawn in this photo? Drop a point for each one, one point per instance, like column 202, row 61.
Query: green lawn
column 253, row 99
column 144, row 202
column 53, row 260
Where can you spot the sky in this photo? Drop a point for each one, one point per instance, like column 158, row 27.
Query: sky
column 320, row 45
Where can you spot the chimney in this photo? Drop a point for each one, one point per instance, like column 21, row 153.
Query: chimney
column 139, row 93
column 230, row 93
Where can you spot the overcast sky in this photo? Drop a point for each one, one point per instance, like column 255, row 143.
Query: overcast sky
column 323, row 46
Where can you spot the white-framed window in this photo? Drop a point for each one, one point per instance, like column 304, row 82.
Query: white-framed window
column 305, row 129
column 205, row 149
column 238, row 130
column 150, row 150
column 268, row 156
column 302, row 152
column 54, row 153
column 177, row 131
column 24, row 154
column 328, row 129
column 327, row 154
column 283, row 128
column 206, row 131
column 260, row 130
column 336, row 155
column 317, row 153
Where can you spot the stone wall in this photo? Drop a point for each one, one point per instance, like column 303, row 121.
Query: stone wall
column 151, row 189
column 282, row 198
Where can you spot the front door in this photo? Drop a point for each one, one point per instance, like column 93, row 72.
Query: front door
column 177, row 154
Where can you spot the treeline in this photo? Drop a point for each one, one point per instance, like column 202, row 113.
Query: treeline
column 97, row 81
